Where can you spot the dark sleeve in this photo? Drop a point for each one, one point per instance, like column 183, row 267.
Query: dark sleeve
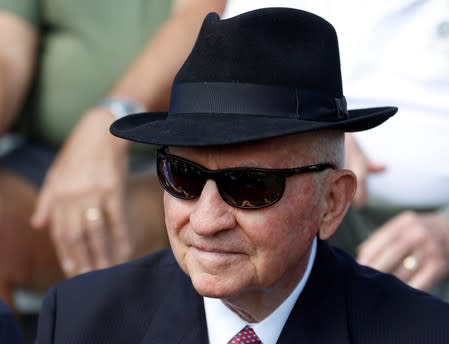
column 47, row 315
column 9, row 331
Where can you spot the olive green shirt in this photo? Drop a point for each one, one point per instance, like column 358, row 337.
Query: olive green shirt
column 86, row 45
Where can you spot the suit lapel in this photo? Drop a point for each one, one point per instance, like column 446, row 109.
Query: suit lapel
column 180, row 317
column 319, row 315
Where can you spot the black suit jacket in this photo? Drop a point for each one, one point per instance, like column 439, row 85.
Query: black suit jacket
column 9, row 331
column 151, row 301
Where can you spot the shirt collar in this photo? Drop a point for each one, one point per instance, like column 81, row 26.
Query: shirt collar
column 223, row 324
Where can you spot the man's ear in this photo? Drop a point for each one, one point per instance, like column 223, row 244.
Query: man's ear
column 338, row 194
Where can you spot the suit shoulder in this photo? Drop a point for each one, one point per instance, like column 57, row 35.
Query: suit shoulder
column 118, row 302
column 152, row 267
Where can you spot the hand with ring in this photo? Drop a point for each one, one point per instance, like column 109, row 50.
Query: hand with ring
column 412, row 246
column 82, row 200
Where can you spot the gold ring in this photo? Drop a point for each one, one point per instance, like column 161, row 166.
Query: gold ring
column 410, row 263
column 93, row 214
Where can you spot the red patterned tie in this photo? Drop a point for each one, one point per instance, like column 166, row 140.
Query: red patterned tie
column 245, row 336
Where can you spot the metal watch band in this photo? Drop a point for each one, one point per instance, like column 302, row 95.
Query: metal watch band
column 120, row 107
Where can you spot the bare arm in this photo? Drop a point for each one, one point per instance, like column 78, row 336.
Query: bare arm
column 160, row 60
column 18, row 46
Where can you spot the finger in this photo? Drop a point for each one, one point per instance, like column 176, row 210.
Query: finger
column 390, row 258
column 404, row 226
column 374, row 167
column 76, row 242
column 41, row 215
column 71, row 242
column 98, row 241
column 360, row 169
column 116, row 213
column 433, row 264
column 363, row 169
column 425, row 277
column 405, row 272
column 58, row 237
column 379, row 241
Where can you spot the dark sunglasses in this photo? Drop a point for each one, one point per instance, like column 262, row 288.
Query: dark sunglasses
column 241, row 187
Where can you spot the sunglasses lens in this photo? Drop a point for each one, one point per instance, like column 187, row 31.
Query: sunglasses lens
column 251, row 189
column 242, row 188
column 180, row 179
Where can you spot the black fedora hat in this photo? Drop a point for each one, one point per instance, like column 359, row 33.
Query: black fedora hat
column 263, row 74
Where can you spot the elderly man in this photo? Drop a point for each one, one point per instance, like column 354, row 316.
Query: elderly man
column 251, row 162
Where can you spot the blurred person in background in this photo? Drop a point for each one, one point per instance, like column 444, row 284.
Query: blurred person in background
column 68, row 69
column 394, row 52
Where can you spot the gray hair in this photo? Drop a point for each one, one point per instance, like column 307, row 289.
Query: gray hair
column 329, row 146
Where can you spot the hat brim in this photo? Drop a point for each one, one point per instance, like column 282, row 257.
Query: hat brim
column 223, row 129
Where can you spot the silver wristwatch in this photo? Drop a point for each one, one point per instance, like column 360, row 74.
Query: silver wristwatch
column 120, row 107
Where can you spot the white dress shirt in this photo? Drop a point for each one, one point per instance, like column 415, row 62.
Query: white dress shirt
column 223, row 324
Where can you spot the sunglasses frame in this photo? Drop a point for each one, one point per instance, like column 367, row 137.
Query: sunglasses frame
column 214, row 175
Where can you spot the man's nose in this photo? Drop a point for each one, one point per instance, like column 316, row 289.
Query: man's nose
column 211, row 213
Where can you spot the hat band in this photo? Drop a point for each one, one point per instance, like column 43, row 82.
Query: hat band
column 255, row 99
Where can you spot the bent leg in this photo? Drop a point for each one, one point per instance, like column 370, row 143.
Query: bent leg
column 27, row 258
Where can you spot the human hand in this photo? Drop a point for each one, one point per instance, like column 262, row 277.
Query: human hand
column 412, row 246
column 82, row 199
column 361, row 165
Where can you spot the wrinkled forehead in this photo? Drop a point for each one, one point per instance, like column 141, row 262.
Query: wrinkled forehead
column 287, row 151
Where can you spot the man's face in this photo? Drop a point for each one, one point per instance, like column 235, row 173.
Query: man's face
column 228, row 251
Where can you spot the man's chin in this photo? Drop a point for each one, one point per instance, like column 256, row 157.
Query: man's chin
column 215, row 287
